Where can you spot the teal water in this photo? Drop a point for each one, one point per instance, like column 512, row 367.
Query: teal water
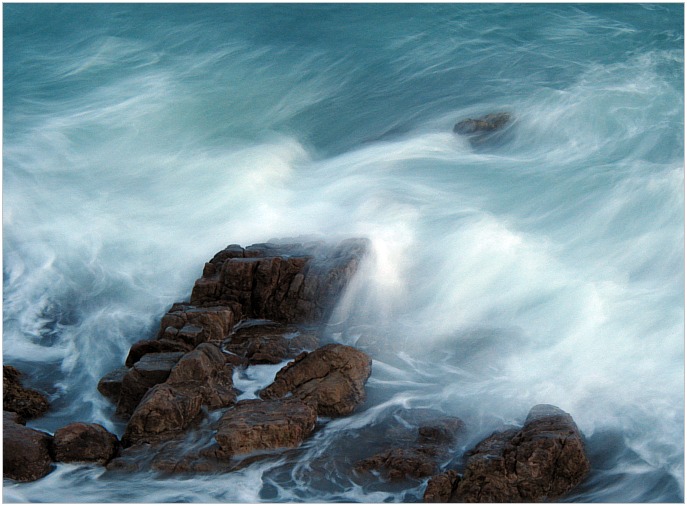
column 543, row 266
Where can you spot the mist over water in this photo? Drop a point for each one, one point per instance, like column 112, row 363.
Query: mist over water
column 545, row 265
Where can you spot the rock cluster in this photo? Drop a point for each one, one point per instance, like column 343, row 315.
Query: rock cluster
column 538, row 463
column 25, row 402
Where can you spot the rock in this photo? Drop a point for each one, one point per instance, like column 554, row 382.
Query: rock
column 191, row 325
column 442, row 431
column 254, row 425
column 142, row 348
column 441, row 487
column 269, row 343
column 331, row 378
column 84, row 442
column 488, row 123
column 27, row 403
column 291, row 283
column 150, row 370
column 538, row 463
column 399, row 463
column 110, row 385
column 200, row 378
column 26, row 452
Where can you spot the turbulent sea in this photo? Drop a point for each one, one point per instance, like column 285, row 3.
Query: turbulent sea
column 542, row 264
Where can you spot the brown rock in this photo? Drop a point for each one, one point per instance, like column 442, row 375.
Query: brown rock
column 200, row 378
column 269, row 343
column 539, row 463
column 400, row 463
column 193, row 325
column 110, row 385
column 150, row 370
column 26, row 452
column 331, row 378
column 440, row 487
column 84, row 442
column 442, row 431
column 141, row 348
column 254, row 425
column 294, row 283
column 27, row 403
column 488, row 123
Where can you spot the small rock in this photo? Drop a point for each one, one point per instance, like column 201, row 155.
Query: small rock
column 400, row 463
column 84, row 442
column 331, row 378
column 254, row 425
column 488, row 123
column 110, row 385
column 26, row 452
column 142, row 348
column 27, row 403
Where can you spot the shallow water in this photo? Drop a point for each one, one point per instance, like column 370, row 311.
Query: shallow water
column 542, row 265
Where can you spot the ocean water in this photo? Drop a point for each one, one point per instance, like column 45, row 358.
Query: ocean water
column 543, row 264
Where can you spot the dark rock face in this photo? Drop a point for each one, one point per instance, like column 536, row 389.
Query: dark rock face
column 331, row 379
column 110, row 385
column 264, row 425
column 400, row 463
column 200, row 378
column 488, row 123
column 538, row 463
column 26, row 452
column 141, row 348
column 191, row 325
column 269, row 343
column 27, row 403
column 84, row 442
column 441, row 487
column 150, row 370
column 291, row 283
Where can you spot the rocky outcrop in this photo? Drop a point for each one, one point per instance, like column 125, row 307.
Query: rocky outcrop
column 141, row 348
column 538, row 463
column 441, row 487
column 190, row 325
column 269, row 343
column 331, row 379
column 291, row 283
column 26, row 452
column 84, row 442
column 201, row 378
column 254, row 425
column 25, row 402
column 484, row 124
column 150, row 370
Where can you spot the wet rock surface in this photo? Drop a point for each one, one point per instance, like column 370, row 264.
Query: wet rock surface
column 26, row 452
column 254, row 425
column 84, row 442
column 540, row 462
column 25, row 402
column 292, row 283
column 110, row 385
column 269, row 343
column 483, row 124
column 331, row 379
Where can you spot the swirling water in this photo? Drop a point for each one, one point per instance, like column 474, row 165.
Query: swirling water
column 545, row 265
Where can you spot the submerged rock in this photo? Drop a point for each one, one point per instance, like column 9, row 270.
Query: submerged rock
column 25, row 402
column 269, row 343
column 84, row 442
column 399, row 463
column 26, row 452
column 538, row 463
column 331, row 378
column 254, row 425
column 485, row 124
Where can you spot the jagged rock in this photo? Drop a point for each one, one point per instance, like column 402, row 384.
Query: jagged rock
column 441, row 431
column 292, row 283
column 150, row 370
column 200, row 378
column 27, row 403
column 264, row 425
column 440, row 487
column 488, row 123
column 399, row 463
column 84, row 442
column 144, row 347
column 110, row 385
column 269, row 343
column 538, row 463
column 331, row 378
column 193, row 325
column 26, row 452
